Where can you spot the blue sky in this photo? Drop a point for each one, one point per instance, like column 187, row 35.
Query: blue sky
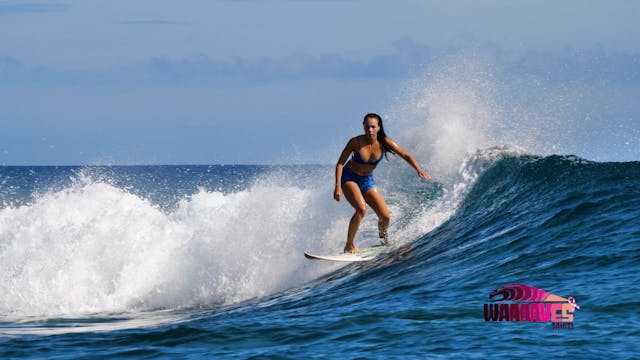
column 276, row 82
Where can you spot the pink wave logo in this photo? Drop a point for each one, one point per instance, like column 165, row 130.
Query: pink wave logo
column 531, row 304
column 519, row 292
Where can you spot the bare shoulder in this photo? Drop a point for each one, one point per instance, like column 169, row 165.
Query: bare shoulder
column 352, row 144
column 356, row 141
column 358, row 138
column 394, row 146
column 391, row 143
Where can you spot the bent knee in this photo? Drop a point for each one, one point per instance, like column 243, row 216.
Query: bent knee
column 361, row 210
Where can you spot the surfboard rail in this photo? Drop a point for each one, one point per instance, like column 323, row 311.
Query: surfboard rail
column 368, row 253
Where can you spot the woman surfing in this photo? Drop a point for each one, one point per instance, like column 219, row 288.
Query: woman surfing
column 354, row 176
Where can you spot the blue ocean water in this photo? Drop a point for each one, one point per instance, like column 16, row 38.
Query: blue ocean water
column 206, row 261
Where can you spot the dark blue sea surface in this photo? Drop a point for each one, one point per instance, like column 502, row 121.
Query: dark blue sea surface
column 206, row 261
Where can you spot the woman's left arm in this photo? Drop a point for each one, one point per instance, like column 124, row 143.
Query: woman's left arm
column 407, row 157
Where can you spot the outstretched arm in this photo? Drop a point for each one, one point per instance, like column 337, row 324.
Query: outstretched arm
column 407, row 157
column 344, row 156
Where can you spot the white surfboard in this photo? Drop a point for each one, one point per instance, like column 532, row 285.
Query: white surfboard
column 367, row 254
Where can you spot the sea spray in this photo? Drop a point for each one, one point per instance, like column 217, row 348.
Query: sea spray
column 464, row 103
column 564, row 224
column 101, row 245
column 125, row 239
column 464, row 115
column 93, row 247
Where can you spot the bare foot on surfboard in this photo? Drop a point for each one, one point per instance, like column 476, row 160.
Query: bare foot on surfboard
column 352, row 250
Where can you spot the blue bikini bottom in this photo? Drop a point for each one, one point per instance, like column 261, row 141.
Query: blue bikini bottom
column 364, row 182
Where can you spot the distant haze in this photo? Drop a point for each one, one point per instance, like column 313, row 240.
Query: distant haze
column 280, row 82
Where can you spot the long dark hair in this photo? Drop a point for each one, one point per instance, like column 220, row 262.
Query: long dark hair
column 381, row 135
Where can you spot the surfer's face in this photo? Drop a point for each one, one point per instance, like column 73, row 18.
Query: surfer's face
column 371, row 127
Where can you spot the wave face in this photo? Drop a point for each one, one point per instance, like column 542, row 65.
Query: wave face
column 211, row 258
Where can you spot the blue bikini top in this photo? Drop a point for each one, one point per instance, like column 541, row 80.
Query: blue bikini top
column 357, row 158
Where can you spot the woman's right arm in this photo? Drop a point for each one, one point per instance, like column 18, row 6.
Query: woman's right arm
column 344, row 156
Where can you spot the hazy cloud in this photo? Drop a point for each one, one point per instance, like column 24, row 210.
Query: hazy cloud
column 406, row 60
column 8, row 63
column 10, row 69
column 25, row 7
column 584, row 65
column 148, row 22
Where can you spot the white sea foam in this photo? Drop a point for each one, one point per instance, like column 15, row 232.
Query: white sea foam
column 93, row 247
column 96, row 248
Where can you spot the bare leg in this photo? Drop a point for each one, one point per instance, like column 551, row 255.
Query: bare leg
column 354, row 196
column 374, row 198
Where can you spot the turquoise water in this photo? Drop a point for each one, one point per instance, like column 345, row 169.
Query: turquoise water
column 204, row 261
